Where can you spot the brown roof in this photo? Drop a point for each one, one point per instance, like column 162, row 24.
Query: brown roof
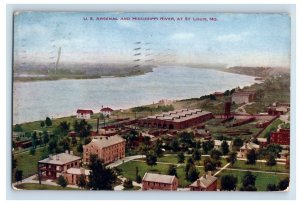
column 60, row 159
column 106, row 141
column 158, row 178
column 204, row 182
column 106, row 109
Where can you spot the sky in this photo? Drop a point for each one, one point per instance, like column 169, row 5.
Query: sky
column 223, row 38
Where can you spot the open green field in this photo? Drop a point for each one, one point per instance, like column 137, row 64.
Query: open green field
column 129, row 169
column 262, row 179
column 260, row 166
column 35, row 186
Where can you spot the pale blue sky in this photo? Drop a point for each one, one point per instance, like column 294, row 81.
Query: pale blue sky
column 232, row 40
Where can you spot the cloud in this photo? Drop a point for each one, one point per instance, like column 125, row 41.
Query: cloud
column 232, row 37
column 127, row 24
column 182, row 36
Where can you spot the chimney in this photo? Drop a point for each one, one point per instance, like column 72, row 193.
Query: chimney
column 71, row 152
column 198, row 182
column 50, row 156
column 67, row 151
column 57, row 157
column 97, row 125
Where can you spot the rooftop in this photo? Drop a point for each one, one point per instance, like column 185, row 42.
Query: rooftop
column 250, row 145
column 60, row 159
column 85, row 111
column 78, row 171
column 204, row 181
column 158, row 178
column 106, row 141
column 106, row 109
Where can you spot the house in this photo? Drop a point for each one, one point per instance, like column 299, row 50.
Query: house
column 246, row 148
column 55, row 165
column 281, row 137
column 263, row 142
column 218, row 144
column 72, row 175
column 109, row 149
column 207, row 182
column 84, row 114
column 243, row 97
column 106, row 111
column 163, row 182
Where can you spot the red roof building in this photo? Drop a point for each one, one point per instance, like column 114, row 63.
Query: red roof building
column 84, row 114
column 281, row 137
column 106, row 111
column 207, row 182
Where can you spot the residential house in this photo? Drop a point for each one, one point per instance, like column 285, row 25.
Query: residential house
column 244, row 150
column 106, row 111
column 84, row 114
column 207, row 182
column 163, row 182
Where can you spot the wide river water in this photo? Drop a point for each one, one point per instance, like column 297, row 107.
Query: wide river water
column 36, row 100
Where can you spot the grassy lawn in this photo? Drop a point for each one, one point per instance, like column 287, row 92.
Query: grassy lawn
column 35, row 186
column 273, row 125
column 129, row 169
column 28, row 163
column 262, row 179
column 260, row 166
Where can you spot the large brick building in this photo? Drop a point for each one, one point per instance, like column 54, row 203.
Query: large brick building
column 109, row 149
column 159, row 182
column 206, row 182
column 55, row 165
column 243, row 97
column 281, row 137
column 178, row 119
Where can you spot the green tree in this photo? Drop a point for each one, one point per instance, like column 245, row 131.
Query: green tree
column 232, row 157
column 19, row 175
column 42, row 124
column 228, row 183
column 79, row 148
column 207, row 146
column 128, row 184
column 192, row 174
column 172, row 170
column 180, row 157
column 209, row 165
column 190, row 164
column 271, row 160
column 271, row 187
column 196, row 155
column 224, row 147
column 158, row 149
column 32, row 151
column 215, row 154
column 283, row 184
column 151, row 158
column 82, row 128
column 62, row 181
column 18, row 128
column 174, row 145
column 251, row 157
column 248, row 182
column 81, row 181
column 100, row 177
column 34, row 139
column 48, row 122
column 45, row 137
column 64, row 127
column 238, row 142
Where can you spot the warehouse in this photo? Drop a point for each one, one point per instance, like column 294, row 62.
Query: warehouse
column 178, row 119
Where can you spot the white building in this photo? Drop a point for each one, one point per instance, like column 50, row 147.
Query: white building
column 218, row 143
column 84, row 114
column 106, row 111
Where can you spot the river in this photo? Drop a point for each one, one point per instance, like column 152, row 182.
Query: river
column 38, row 99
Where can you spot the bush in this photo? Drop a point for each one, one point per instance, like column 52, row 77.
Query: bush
column 62, row 181
column 128, row 184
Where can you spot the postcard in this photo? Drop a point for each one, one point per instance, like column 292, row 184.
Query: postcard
column 151, row 101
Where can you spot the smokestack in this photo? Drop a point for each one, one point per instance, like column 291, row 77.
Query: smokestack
column 97, row 125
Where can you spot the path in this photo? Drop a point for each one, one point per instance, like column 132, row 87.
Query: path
column 242, row 110
column 224, row 167
column 124, row 160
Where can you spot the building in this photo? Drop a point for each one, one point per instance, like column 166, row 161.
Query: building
column 178, row 119
column 207, row 182
column 159, row 182
column 281, row 137
column 109, row 149
column 106, row 111
column 55, row 165
column 72, row 175
column 246, row 148
column 263, row 142
column 218, row 144
column 84, row 114
column 243, row 97
column 275, row 111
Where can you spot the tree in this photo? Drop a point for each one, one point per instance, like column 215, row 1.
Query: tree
column 82, row 128
column 271, row 160
column 128, row 184
column 283, row 184
column 52, row 146
column 81, row 181
column 172, row 170
column 74, row 141
column 196, row 155
column 248, row 182
column 79, row 148
column 19, row 175
column 34, row 139
column 228, row 183
column 18, row 128
column 62, row 181
column 209, row 165
column 224, row 147
column 64, row 127
column 215, row 154
column 158, row 149
column 272, row 187
column 100, row 177
column 151, row 159
column 192, row 174
column 251, row 157
column 238, row 142
column 190, row 163
column 232, row 157
column 87, row 140
column 45, row 137
column 180, row 157
column 48, row 122
column 174, row 145
column 32, row 151
column 207, row 146
column 42, row 124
